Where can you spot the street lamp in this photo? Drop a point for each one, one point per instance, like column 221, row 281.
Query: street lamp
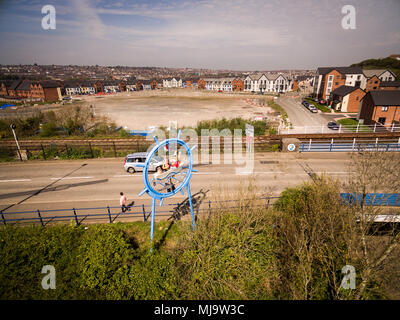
column 13, row 126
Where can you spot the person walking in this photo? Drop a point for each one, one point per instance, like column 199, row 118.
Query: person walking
column 122, row 202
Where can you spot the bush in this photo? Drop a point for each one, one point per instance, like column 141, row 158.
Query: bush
column 316, row 234
column 230, row 256
column 49, row 129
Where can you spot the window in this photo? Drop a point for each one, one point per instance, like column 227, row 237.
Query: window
column 382, row 121
column 384, row 108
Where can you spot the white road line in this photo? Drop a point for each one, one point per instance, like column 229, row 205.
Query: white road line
column 70, row 178
column 16, row 180
column 205, row 173
column 127, row 175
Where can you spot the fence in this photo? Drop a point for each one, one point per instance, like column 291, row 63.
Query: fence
column 359, row 128
column 73, row 149
column 386, row 145
column 143, row 212
column 140, row 212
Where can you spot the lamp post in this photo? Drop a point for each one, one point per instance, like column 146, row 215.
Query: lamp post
column 13, row 126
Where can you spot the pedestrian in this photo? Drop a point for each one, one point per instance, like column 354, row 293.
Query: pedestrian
column 122, row 202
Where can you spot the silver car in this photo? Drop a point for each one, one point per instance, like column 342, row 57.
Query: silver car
column 131, row 161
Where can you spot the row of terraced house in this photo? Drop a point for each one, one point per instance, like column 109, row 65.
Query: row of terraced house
column 51, row 90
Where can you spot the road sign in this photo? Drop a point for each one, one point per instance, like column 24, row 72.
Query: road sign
column 291, row 147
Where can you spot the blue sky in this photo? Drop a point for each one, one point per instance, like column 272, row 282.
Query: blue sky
column 234, row 34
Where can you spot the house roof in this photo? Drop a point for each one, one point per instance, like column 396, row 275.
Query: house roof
column 342, row 70
column 71, row 84
column 373, row 72
column 49, row 84
column 344, row 90
column 25, row 85
column 14, row 84
column 385, row 97
column 390, row 84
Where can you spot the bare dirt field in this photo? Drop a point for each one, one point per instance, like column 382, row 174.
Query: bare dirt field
column 139, row 110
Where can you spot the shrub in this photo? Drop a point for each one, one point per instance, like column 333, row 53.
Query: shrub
column 230, row 256
column 49, row 129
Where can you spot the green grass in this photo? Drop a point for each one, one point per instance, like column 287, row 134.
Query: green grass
column 351, row 124
column 318, row 106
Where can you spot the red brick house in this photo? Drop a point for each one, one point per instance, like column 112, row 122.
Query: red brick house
column 24, row 89
column 98, row 86
column 122, row 86
column 201, row 84
column 347, row 98
column 4, row 88
column 12, row 90
column 237, row 85
column 373, row 83
column 389, row 85
column 380, row 106
column 139, row 85
column 154, row 84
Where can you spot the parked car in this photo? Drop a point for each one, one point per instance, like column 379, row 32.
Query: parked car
column 131, row 161
column 333, row 125
column 312, row 108
column 305, row 103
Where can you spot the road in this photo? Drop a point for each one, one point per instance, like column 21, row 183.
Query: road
column 298, row 115
column 87, row 183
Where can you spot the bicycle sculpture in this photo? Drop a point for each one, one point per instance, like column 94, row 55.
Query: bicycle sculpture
column 172, row 162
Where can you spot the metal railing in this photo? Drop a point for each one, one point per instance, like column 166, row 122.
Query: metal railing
column 142, row 212
column 355, row 145
column 110, row 214
column 360, row 128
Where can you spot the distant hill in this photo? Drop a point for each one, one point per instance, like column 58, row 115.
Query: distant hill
column 385, row 63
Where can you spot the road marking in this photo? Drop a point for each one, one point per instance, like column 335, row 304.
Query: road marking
column 70, row 178
column 127, row 175
column 16, row 180
column 205, row 173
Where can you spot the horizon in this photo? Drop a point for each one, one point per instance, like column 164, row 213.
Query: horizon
column 236, row 35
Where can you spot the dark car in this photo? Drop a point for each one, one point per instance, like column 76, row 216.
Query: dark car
column 333, row 125
column 305, row 103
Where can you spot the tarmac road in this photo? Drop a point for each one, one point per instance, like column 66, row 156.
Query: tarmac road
column 299, row 116
column 67, row 184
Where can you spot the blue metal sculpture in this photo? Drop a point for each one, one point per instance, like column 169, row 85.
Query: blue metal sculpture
column 170, row 179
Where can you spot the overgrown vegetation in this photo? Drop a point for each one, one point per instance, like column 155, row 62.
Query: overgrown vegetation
column 66, row 122
column 231, row 124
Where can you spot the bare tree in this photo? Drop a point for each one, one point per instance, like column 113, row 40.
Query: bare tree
column 372, row 173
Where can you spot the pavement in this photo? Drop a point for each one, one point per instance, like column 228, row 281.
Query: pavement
column 67, row 184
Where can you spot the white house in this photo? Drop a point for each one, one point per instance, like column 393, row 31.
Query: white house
column 72, row 88
column 87, row 88
column 172, row 83
column 110, row 86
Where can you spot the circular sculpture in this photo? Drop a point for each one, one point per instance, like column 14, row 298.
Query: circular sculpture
column 167, row 171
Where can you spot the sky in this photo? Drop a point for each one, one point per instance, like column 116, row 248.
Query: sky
column 220, row 34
